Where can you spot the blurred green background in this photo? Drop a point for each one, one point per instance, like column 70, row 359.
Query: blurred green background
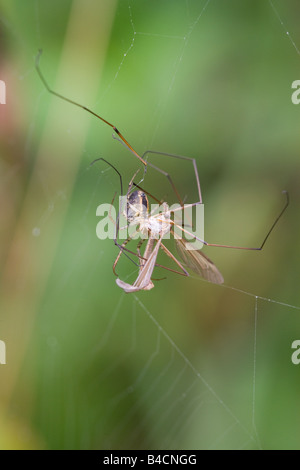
column 188, row 364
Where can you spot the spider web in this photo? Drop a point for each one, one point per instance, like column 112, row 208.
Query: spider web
column 188, row 365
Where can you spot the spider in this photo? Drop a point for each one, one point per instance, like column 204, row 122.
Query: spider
column 157, row 226
column 154, row 227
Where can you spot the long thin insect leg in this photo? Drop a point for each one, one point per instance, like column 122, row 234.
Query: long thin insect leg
column 120, row 253
column 241, row 247
column 168, row 176
column 138, row 249
column 123, row 249
column 112, row 166
column 37, row 66
column 165, row 249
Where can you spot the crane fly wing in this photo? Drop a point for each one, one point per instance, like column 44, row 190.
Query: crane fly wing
column 198, row 262
column 128, row 288
column 143, row 281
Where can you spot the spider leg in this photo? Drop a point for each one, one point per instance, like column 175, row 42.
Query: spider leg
column 259, row 248
column 37, row 66
column 122, row 249
column 168, row 176
column 142, row 259
column 117, row 221
column 165, row 249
